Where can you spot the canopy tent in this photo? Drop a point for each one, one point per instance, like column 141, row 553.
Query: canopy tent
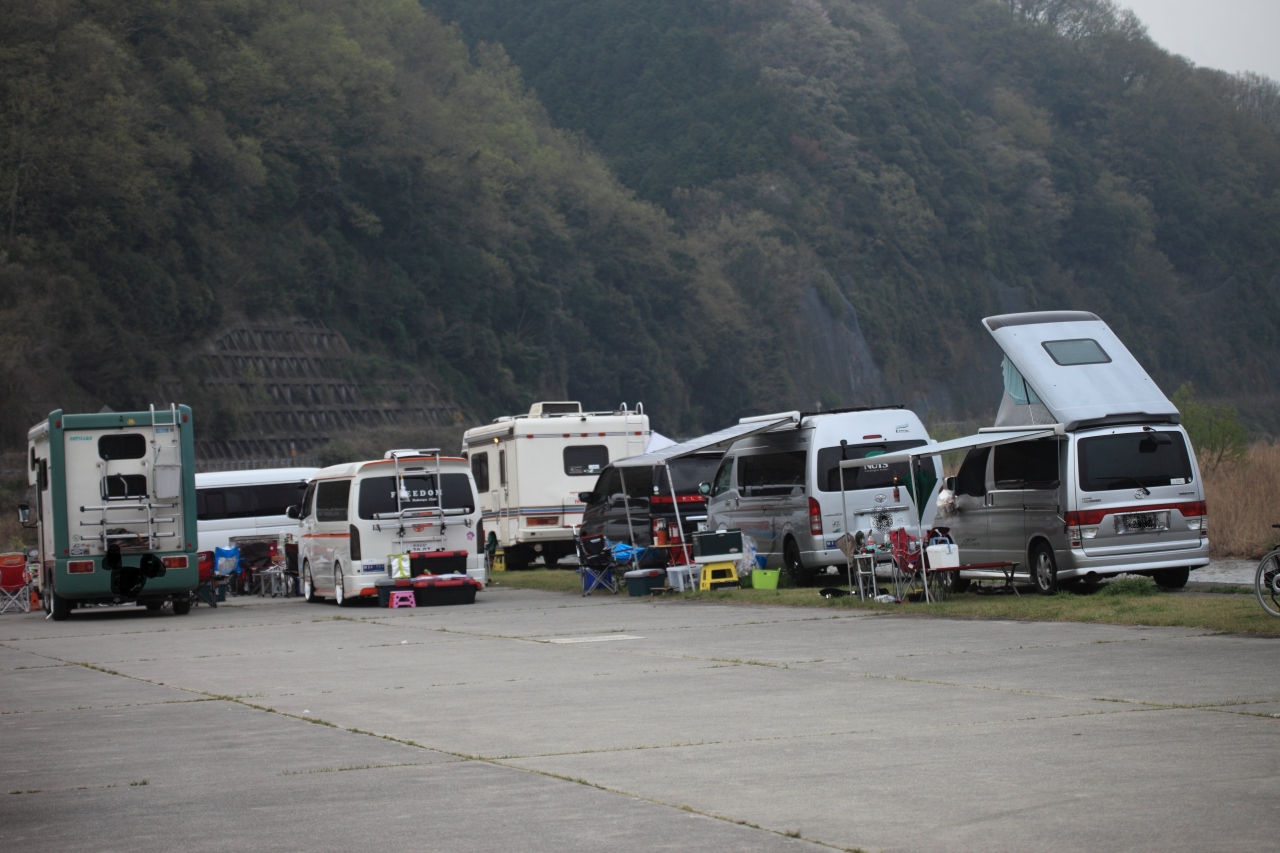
column 657, row 441
column 716, row 440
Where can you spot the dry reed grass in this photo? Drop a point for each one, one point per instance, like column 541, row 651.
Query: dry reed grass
column 1244, row 501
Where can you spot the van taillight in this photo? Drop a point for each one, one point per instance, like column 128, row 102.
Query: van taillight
column 174, row 562
column 815, row 517
column 543, row 521
column 354, row 542
column 80, row 567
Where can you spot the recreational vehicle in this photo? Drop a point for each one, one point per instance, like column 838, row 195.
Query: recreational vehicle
column 1087, row 472
column 115, row 508
column 782, row 485
column 354, row 517
column 531, row 470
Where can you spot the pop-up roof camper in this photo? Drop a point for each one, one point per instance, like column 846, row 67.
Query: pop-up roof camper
column 1069, row 368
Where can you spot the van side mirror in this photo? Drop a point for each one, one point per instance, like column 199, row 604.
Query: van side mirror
column 950, row 484
column 704, row 488
column 585, row 497
column 293, row 511
column 24, row 514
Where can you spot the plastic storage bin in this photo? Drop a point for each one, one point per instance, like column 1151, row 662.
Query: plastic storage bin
column 943, row 556
column 644, row 581
column 765, row 578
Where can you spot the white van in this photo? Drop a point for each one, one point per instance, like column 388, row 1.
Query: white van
column 531, row 470
column 782, row 487
column 243, row 504
column 354, row 516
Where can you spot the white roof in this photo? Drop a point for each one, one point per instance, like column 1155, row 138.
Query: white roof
column 715, row 441
column 386, row 467
column 1117, row 390
column 985, row 438
column 256, row 477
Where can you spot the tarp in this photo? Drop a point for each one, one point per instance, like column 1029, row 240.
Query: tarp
column 657, row 441
column 715, row 441
column 984, row 438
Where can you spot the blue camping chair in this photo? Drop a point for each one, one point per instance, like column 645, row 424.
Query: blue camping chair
column 596, row 563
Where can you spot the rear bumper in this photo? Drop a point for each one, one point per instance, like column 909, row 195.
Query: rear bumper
column 1075, row 563
column 822, row 559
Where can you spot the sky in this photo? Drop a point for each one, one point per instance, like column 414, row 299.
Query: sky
column 1233, row 35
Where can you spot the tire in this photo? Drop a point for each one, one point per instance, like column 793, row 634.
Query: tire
column 181, row 606
column 550, row 557
column 518, row 558
column 154, row 606
column 339, row 589
column 799, row 575
column 959, row 584
column 1265, row 583
column 1171, row 578
column 1044, row 570
column 308, row 585
column 60, row 607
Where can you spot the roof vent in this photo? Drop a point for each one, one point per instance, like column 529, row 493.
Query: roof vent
column 542, row 410
column 401, row 454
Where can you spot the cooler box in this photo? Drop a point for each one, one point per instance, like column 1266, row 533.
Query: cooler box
column 943, row 556
column 437, row 563
column 430, row 590
column 644, row 581
column 717, row 547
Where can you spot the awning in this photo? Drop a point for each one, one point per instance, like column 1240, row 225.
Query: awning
column 715, row 441
column 985, row 438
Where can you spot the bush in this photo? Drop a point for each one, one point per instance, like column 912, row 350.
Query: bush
column 1216, row 432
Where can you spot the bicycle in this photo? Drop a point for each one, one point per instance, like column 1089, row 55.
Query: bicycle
column 1267, row 582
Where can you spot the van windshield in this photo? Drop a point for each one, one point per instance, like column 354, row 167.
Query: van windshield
column 1132, row 459
column 873, row 476
column 378, row 496
column 688, row 472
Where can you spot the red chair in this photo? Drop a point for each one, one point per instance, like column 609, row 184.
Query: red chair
column 15, row 591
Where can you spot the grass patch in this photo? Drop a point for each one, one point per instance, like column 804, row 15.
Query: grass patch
column 1131, row 601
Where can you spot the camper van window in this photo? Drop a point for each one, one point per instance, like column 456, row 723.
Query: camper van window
column 122, row 445
column 378, row 496
column 585, row 460
column 1082, row 351
column 276, row 498
column 1026, row 465
column 1127, row 460
column 502, row 467
column 771, row 474
column 118, row 486
column 724, row 477
column 480, row 470
column 687, row 472
column 874, row 476
column 972, row 479
column 331, row 500
column 306, row 501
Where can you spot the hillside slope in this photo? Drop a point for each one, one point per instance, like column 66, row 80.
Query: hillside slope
column 932, row 161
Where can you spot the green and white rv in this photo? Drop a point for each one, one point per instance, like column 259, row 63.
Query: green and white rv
column 115, row 508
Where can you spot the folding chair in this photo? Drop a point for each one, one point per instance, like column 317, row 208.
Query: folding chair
column 15, row 593
column 596, row 563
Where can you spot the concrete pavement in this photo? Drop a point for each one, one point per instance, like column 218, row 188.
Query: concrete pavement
column 538, row 721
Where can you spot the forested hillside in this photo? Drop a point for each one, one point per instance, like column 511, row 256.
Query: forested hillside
column 167, row 166
column 935, row 161
column 718, row 207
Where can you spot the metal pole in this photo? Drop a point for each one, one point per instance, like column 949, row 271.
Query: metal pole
column 626, row 505
column 675, row 502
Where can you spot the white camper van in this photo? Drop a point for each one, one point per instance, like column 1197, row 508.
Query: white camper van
column 247, row 504
column 782, row 486
column 531, row 470
column 354, row 516
column 1086, row 474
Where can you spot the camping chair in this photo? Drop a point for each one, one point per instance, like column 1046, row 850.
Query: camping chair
column 15, row 592
column 596, row 563
column 911, row 573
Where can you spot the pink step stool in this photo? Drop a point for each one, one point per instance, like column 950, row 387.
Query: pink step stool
column 402, row 598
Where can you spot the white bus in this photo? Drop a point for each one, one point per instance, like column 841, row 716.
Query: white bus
column 242, row 504
column 530, row 470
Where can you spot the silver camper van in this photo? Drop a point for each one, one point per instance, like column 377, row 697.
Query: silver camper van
column 1110, row 484
column 782, row 486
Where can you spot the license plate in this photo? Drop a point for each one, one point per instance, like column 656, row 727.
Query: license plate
column 1142, row 522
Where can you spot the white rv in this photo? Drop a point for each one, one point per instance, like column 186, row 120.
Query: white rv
column 531, row 469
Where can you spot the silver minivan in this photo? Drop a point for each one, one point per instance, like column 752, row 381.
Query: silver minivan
column 1116, row 489
column 1084, row 505
column 782, row 487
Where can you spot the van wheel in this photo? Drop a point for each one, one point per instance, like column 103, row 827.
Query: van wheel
column 181, row 606
column 1044, row 571
column 60, row 607
column 308, row 585
column 339, row 593
column 795, row 568
column 1171, row 578
column 518, row 558
column 959, row 584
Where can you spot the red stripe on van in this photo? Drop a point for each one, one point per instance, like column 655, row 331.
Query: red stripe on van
column 1091, row 517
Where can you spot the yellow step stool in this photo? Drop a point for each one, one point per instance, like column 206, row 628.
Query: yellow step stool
column 718, row 576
